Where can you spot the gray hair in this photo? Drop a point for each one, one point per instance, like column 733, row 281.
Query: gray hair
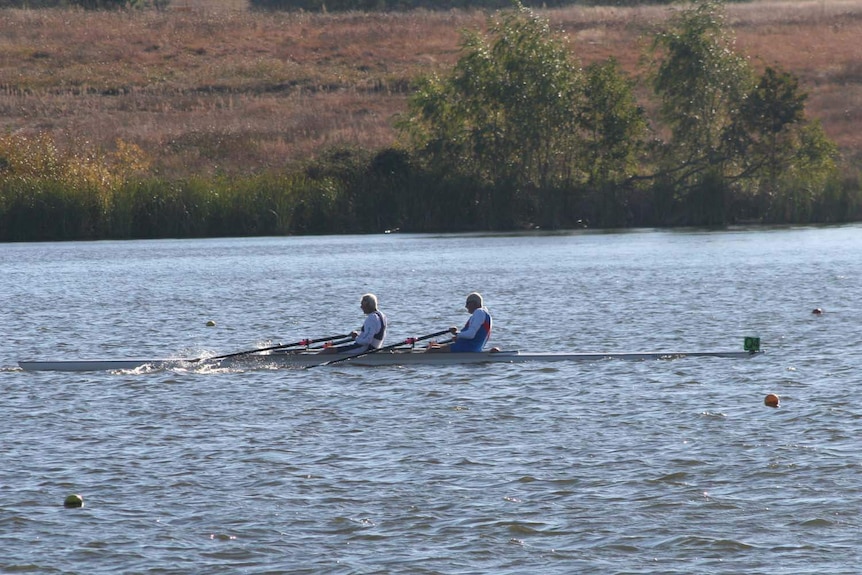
column 370, row 300
column 475, row 297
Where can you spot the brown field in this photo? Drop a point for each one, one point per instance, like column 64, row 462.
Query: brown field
column 210, row 87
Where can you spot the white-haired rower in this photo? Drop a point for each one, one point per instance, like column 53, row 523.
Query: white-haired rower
column 372, row 333
column 476, row 331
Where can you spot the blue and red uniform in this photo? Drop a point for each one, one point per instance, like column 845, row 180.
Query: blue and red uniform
column 475, row 334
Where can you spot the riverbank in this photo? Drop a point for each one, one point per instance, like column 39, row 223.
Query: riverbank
column 212, row 88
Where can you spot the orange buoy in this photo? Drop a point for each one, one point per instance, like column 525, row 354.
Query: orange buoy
column 771, row 400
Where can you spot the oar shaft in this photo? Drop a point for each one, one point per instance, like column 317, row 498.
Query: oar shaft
column 408, row 341
column 331, row 343
column 302, row 342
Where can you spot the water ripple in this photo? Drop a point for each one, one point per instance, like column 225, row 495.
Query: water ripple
column 612, row 467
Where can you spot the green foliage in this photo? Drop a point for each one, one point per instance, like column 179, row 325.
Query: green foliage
column 700, row 83
column 73, row 191
column 614, row 128
column 808, row 169
column 505, row 116
column 528, row 132
column 517, row 134
column 613, row 123
column 774, row 103
column 38, row 211
column 787, row 159
column 731, row 133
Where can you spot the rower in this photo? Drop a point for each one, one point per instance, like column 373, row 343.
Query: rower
column 476, row 332
column 372, row 333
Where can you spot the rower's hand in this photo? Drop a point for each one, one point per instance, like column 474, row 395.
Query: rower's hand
column 353, row 334
column 453, row 330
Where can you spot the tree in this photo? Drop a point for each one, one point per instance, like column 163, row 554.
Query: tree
column 506, row 117
column 701, row 84
column 783, row 153
column 729, row 132
column 614, row 127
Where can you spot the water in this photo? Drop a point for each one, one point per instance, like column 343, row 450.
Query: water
column 615, row 467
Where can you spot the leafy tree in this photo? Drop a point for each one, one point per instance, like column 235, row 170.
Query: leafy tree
column 781, row 151
column 809, row 169
column 731, row 133
column 701, row 84
column 613, row 123
column 613, row 135
column 518, row 117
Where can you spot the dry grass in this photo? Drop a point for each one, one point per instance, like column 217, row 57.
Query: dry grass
column 212, row 87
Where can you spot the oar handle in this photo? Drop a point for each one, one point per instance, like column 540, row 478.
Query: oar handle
column 430, row 335
column 408, row 341
column 331, row 343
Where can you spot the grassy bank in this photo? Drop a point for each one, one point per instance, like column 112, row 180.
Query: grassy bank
column 212, row 92
column 210, row 87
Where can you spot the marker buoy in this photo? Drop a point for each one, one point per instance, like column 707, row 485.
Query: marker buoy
column 817, row 311
column 73, row 500
column 771, row 400
column 210, row 323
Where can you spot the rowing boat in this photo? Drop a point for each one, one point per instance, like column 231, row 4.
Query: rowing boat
column 390, row 357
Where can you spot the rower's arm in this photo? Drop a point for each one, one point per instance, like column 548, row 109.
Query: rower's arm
column 473, row 325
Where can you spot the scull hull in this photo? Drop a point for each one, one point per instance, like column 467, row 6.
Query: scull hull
column 396, row 358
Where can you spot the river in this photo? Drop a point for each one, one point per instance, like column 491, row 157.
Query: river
column 611, row 467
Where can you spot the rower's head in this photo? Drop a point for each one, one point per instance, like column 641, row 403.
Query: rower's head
column 474, row 302
column 368, row 303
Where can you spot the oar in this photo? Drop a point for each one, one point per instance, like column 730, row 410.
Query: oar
column 334, row 342
column 408, row 341
column 302, row 342
column 444, row 342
